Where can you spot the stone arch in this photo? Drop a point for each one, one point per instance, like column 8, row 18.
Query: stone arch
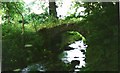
column 54, row 35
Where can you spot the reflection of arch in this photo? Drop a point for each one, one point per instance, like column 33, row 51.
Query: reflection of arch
column 75, row 62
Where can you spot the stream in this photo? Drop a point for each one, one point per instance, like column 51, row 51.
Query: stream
column 74, row 55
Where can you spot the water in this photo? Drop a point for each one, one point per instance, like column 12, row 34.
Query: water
column 35, row 67
column 75, row 55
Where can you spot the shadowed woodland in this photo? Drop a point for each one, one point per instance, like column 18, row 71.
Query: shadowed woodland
column 29, row 38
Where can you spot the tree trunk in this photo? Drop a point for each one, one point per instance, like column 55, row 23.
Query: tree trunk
column 52, row 8
column 8, row 14
column 23, row 28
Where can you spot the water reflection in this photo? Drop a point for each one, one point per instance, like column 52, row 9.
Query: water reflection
column 77, row 53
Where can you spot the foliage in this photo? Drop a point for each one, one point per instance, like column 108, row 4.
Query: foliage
column 101, row 25
column 102, row 39
column 10, row 12
column 13, row 46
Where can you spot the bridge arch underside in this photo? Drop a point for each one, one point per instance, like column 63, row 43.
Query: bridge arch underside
column 63, row 39
column 54, row 37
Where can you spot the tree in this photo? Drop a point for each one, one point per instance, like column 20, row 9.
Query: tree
column 102, row 22
column 52, row 8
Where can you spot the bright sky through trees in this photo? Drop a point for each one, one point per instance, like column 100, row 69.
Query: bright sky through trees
column 64, row 9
